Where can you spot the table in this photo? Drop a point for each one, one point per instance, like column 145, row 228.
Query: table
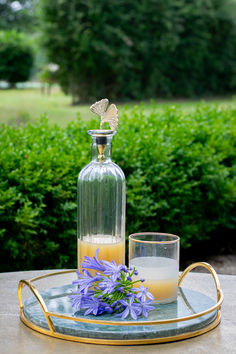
column 16, row 338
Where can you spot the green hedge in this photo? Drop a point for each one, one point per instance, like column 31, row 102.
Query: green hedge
column 180, row 179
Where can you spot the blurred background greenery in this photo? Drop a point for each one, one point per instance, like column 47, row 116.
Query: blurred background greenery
column 176, row 56
column 124, row 49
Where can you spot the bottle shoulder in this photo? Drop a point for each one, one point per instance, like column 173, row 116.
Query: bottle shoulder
column 95, row 169
column 118, row 169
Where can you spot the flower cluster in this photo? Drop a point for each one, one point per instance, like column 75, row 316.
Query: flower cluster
column 111, row 290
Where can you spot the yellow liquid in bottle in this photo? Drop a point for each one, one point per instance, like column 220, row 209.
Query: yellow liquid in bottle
column 110, row 249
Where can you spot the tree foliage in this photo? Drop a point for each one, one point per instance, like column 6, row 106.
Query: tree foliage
column 141, row 49
column 16, row 57
column 18, row 15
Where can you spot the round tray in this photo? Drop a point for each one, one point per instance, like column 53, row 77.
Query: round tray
column 50, row 312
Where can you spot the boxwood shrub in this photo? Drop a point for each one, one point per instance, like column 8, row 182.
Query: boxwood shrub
column 179, row 166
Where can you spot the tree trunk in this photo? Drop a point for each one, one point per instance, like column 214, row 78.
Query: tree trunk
column 12, row 85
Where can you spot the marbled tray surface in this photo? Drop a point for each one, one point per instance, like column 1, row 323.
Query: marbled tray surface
column 188, row 302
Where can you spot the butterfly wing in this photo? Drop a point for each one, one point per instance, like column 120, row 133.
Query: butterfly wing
column 100, row 107
column 111, row 117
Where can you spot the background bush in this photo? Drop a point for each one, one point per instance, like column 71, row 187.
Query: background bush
column 180, row 171
column 16, row 57
column 140, row 49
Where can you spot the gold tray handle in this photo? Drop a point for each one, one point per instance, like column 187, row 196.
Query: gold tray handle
column 40, row 301
column 211, row 270
column 36, row 293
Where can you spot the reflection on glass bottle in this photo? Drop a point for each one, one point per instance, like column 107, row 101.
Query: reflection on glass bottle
column 101, row 203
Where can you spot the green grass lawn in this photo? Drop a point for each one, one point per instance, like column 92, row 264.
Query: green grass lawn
column 22, row 104
column 16, row 105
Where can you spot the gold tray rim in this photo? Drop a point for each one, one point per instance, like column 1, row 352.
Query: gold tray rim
column 121, row 342
column 51, row 332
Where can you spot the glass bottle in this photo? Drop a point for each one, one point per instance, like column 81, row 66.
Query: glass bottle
column 101, row 203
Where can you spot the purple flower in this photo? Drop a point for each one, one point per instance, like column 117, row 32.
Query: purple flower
column 94, row 306
column 120, row 289
column 91, row 304
column 79, row 297
column 85, row 281
column 103, row 307
column 143, row 293
column 130, row 308
column 113, row 270
column 76, row 300
column 107, row 285
column 145, row 307
column 93, row 263
column 110, row 291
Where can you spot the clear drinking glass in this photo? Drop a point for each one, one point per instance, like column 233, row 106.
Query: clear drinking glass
column 101, row 203
column 156, row 257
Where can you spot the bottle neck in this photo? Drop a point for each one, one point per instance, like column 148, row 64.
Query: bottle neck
column 101, row 149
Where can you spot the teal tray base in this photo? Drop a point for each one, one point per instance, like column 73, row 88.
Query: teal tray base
column 188, row 302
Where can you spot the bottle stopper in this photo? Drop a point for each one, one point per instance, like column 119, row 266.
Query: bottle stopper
column 108, row 115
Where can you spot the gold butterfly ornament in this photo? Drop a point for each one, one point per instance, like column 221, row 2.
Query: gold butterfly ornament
column 108, row 115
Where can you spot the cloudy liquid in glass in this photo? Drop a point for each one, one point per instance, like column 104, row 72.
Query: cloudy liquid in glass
column 160, row 274
column 110, row 248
